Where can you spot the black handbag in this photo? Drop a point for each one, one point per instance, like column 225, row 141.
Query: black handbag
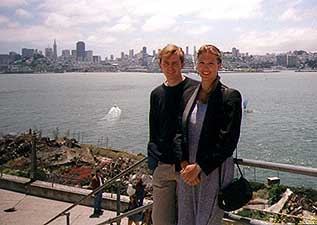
column 236, row 194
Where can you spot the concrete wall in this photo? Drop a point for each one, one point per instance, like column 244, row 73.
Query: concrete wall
column 59, row 192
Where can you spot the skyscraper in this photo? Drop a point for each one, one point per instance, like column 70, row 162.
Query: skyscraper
column 74, row 54
column 144, row 51
column 54, row 50
column 131, row 53
column 80, row 49
column 27, row 53
column 235, row 52
column 281, row 60
column 49, row 53
column 89, row 56
column 66, row 53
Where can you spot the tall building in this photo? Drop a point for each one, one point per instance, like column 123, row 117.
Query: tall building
column 89, row 56
column 144, row 51
column 49, row 53
column 81, row 52
column 14, row 56
column 4, row 59
column 131, row 53
column 96, row 58
column 144, row 57
column 281, row 60
column 292, row 60
column 74, row 54
column 66, row 53
column 187, row 50
column 54, row 50
column 27, row 52
column 235, row 52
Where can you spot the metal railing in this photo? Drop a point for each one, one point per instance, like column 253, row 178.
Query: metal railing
column 308, row 171
column 106, row 184
column 126, row 214
column 227, row 215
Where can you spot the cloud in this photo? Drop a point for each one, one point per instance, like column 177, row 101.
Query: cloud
column 121, row 27
column 23, row 14
column 279, row 40
column 57, row 20
column 115, row 26
column 100, row 40
column 229, row 10
column 199, row 29
column 158, row 23
column 79, row 12
column 4, row 19
column 12, row 3
column 13, row 25
column 35, row 34
column 289, row 14
column 293, row 14
column 225, row 9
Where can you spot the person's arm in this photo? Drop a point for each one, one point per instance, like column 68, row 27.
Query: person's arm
column 94, row 183
column 228, row 136
column 152, row 150
column 152, row 118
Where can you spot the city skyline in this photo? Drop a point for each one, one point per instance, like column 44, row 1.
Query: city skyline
column 188, row 50
column 110, row 27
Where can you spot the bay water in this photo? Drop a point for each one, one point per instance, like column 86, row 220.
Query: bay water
column 279, row 124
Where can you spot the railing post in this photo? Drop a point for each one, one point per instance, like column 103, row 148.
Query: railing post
column 254, row 174
column 33, row 159
column 118, row 199
column 67, row 218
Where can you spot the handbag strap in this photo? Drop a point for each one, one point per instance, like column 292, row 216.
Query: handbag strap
column 225, row 96
column 220, row 168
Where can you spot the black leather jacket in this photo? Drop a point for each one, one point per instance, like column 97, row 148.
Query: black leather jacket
column 220, row 130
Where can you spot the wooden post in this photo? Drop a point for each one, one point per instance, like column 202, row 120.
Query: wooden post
column 33, row 159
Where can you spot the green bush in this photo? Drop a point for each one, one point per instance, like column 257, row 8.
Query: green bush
column 256, row 185
column 275, row 192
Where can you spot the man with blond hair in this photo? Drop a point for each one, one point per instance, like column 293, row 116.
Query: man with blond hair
column 167, row 103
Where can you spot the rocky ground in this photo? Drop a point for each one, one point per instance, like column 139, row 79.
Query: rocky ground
column 65, row 161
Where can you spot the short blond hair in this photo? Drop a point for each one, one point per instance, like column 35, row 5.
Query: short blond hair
column 169, row 50
column 208, row 48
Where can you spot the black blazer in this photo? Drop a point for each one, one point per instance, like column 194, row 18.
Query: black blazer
column 220, row 130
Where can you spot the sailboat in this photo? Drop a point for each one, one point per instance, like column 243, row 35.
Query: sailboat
column 245, row 105
column 113, row 114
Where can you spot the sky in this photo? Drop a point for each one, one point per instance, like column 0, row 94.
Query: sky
column 115, row 26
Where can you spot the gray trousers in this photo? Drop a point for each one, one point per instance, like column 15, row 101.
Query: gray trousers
column 164, row 195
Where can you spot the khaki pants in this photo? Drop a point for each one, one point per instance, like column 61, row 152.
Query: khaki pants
column 164, row 195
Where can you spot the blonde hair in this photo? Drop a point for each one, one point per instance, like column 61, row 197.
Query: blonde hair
column 210, row 49
column 169, row 50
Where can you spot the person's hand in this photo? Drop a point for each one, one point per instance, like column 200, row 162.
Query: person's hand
column 190, row 174
column 184, row 164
